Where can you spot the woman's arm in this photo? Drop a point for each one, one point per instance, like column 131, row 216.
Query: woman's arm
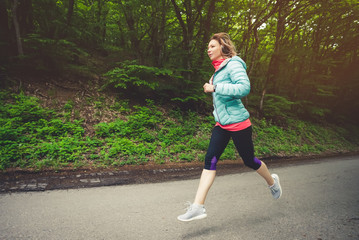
column 240, row 86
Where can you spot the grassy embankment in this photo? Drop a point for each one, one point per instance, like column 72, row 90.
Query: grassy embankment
column 36, row 137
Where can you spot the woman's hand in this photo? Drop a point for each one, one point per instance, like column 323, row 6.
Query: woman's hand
column 208, row 88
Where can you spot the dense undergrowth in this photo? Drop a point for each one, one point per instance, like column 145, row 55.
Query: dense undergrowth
column 35, row 137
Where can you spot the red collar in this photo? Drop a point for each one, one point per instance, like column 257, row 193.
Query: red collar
column 217, row 63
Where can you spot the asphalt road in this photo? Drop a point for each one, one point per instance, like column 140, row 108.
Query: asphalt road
column 320, row 201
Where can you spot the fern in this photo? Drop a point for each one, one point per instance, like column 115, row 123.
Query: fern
column 276, row 106
column 131, row 74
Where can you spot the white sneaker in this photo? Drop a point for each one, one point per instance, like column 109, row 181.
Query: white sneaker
column 194, row 212
column 276, row 189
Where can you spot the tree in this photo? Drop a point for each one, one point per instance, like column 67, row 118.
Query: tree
column 302, row 51
column 70, row 11
column 157, row 32
column 188, row 13
column 284, row 9
column 4, row 34
column 17, row 27
column 206, row 28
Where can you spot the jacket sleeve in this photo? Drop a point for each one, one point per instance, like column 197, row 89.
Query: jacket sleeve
column 240, row 86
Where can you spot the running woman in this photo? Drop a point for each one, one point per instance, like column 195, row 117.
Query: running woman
column 228, row 85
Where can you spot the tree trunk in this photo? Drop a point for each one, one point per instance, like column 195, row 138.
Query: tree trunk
column 192, row 16
column 273, row 67
column 132, row 33
column 70, row 11
column 17, row 28
column 206, row 30
column 4, row 44
column 185, row 42
column 4, row 30
column 162, row 36
column 157, row 33
column 254, row 52
column 25, row 17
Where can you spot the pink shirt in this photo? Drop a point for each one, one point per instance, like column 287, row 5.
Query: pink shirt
column 234, row 126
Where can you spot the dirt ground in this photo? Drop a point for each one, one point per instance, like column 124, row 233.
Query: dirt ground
column 16, row 180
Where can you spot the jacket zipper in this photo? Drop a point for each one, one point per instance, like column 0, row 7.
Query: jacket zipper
column 214, row 103
column 215, row 109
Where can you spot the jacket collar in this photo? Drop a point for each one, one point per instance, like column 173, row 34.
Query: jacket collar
column 223, row 64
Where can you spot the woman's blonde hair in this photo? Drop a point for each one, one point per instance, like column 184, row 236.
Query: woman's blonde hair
column 227, row 47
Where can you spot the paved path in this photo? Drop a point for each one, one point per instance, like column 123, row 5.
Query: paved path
column 320, row 201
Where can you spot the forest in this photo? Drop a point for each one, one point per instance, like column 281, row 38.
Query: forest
column 75, row 74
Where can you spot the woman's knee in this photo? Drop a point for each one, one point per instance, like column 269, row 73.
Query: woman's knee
column 210, row 162
column 253, row 163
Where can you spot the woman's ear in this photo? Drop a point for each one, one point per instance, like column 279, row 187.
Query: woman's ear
column 225, row 50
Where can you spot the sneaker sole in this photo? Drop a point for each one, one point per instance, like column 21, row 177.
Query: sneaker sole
column 194, row 218
column 280, row 187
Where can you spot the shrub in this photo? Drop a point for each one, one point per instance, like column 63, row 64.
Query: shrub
column 32, row 136
column 36, row 137
column 131, row 74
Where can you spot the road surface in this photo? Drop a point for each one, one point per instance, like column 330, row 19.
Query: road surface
column 320, row 201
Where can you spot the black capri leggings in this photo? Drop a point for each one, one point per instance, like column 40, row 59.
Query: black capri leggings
column 242, row 140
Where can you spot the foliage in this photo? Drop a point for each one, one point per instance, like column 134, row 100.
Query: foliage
column 297, row 51
column 194, row 96
column 56, row 55
column 129, row 73
column 36, row 137
column 299, row 138
column 31, row 136
column 302, row 57
column 277, row 106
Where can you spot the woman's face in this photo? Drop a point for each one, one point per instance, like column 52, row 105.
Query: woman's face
column 214, row 50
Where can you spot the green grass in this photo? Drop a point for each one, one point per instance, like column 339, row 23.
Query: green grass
column 301, row 138
column 36, row 137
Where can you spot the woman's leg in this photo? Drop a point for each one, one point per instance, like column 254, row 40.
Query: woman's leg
column 217, row 144
column 264, row 172
column 205, row 183
column 244, row 144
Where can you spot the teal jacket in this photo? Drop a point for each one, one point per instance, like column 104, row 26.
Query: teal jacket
column 232, row 84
